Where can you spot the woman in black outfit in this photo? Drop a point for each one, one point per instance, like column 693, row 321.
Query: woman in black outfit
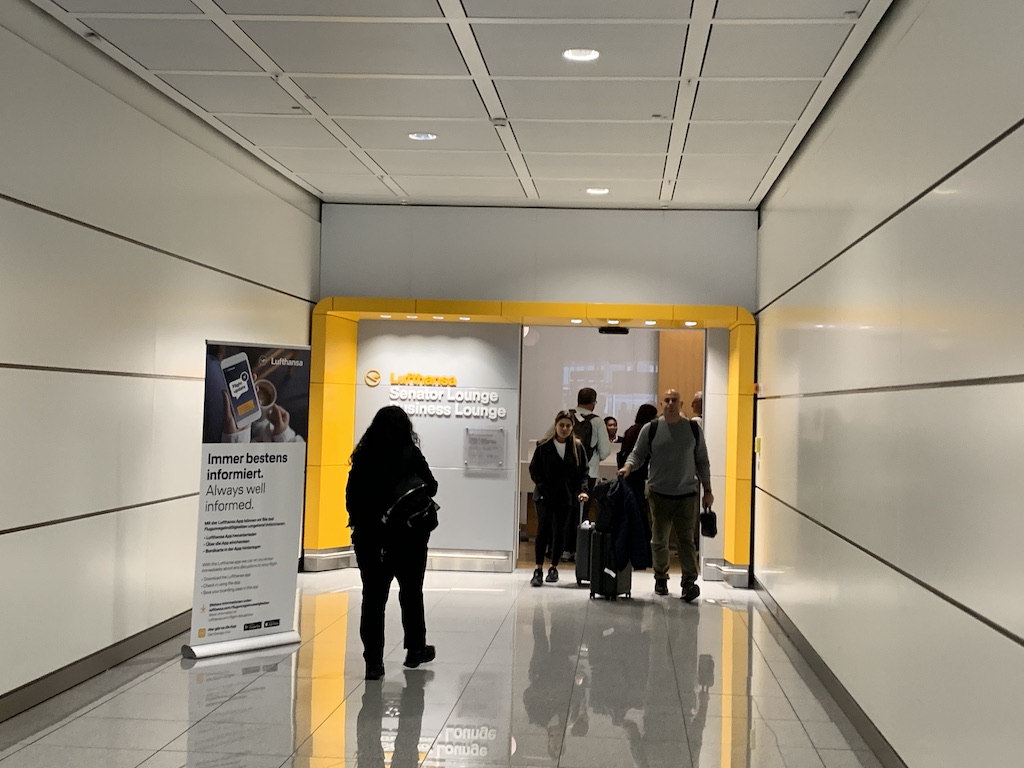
column 385, row 456
column 559, row 469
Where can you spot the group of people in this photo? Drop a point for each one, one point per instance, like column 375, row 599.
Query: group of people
column 664, row 458
column 664, row 455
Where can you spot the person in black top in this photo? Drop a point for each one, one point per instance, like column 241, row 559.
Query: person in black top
column 559, row 469
column 386, row 455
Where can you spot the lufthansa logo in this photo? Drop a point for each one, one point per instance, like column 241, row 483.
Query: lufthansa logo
column 264, row 359
column 372, row 378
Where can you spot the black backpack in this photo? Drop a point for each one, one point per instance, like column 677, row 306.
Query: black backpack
column 584, row 430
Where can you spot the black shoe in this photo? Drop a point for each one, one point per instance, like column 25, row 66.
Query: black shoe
column 661, row 586
column 538, row 578
column 422, row 656
column 374, row 671
column 552, row 576
column 690, row 591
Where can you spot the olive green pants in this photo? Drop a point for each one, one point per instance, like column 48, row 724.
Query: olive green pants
column 679, row 515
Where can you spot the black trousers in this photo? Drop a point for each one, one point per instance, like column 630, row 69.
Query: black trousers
column 551, row 527
column 573, row 521
column 379, row 563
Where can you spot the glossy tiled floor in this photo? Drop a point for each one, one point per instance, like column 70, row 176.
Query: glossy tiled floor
column 524, row 677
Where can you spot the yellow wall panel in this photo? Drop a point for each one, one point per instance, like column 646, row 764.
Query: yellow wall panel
column 452, row 310
column 705, row 316
column 311, row 523
column 742, row 340
column 339, row 423
column 737, row 523
column 541, row 312
column 373, row 304
column 739, row 443
column 639, row 312
column 340, row 352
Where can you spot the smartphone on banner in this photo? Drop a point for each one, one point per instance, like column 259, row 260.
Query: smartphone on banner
column 245, row 405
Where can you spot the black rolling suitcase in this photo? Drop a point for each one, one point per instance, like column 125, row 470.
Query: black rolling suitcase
column 583, row 547
column 605, row 580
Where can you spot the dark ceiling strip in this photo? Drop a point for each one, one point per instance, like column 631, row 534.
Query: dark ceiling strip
column 148, row 247
column 48, row 523
column 924, row 585
column 942, row 180
column 91, row 372
column 952, row 384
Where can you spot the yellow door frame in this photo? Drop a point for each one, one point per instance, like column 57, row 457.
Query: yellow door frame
column 334, row 379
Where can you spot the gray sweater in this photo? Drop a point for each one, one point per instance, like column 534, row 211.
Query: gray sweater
column 675, row 466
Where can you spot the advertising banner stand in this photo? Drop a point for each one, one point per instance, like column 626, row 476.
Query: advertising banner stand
column 252, row 487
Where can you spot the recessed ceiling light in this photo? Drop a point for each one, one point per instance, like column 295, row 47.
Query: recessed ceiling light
column 385, row 317
column 411, row 317
column 613, row 322
column 464, row 318
column 422, row 136
column 690, row 323
column 439, row 317
column 597, row 190
column 580, row 54
column 575, row 321
column 650, row 322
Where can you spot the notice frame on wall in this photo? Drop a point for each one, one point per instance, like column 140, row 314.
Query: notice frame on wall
column 483, row 448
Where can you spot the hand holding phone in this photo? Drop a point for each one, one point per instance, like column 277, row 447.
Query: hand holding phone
column 241, row 391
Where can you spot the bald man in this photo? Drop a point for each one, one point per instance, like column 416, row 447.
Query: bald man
column 678, row 460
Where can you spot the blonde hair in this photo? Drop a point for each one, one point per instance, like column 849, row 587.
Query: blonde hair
column 550, row 434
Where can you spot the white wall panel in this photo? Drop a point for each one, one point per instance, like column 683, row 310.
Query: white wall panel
column 89, row 443
column 928, row 297
column 100, row 303
column 84, row 585
column 671, row 257
column 920, row 478
column 942, row 687
column 943, row 79
column 73, row 148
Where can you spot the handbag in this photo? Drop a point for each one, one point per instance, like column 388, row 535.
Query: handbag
column 708, row 524
column 413, row 511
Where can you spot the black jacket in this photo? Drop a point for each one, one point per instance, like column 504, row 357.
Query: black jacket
column 372, row 485
column 559, row 480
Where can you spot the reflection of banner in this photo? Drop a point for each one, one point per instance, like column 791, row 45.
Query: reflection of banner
column 251, row 493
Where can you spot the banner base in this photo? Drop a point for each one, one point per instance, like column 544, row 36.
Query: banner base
column 236, row 646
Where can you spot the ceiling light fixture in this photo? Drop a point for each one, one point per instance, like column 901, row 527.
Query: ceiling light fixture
column 422, row 136
column 581, row 54
column 690, row 323
column 650, row 322
column 575, row 321
column 613, row 322
column 385, row 317
column 439, row 317
column 464, row 318
column 411, row 317
column 597, row 190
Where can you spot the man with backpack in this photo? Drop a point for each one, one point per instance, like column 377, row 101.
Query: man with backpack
column 593, row 434
column 676, row 455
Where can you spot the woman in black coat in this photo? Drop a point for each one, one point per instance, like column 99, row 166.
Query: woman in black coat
column 386, row 455
column 559, row 469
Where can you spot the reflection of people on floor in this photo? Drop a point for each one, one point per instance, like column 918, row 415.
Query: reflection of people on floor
column 369, row 723
column 551, row 664
column 619, row 663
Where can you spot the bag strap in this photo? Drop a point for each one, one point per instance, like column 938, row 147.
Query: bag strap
column 654, row 428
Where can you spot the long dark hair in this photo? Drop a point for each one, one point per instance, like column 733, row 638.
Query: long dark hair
column 573, row 442
column 645, row 413
column 389, row 432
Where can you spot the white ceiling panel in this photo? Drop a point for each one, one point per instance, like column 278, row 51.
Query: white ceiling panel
column 578, row 9
column 340, row 185
column 460, row 187
column 174, row 44
column 420, row 8
column 318, row 160
column 128, row 6
column 754, row 100
column 267, row 131
column 358, row 48
column 566, row 166
column 627, row 50
column 721, row 95
column 587, row 99
column 635, row 138
column 397, row 162
column 736, row 138
column 227, row 93
column 789, row 9
column 394, row 134
column 619, row 191
column 773, row 50
column 386, row 97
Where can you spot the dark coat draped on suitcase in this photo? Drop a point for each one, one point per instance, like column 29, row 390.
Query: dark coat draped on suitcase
column 623, row 513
